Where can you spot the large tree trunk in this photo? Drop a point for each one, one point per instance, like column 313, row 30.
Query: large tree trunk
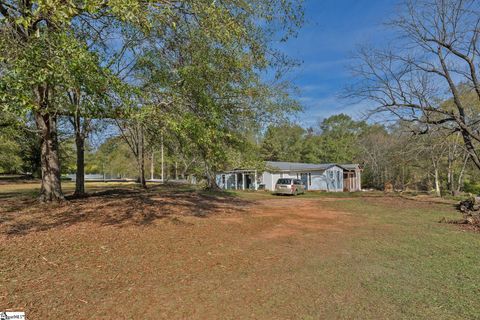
column 51, row 189
column 141, row 173
column 211, row 181
column 80, row 130
column 472, row 152
column 80, row 173
column 80, row 146
column 141, row 159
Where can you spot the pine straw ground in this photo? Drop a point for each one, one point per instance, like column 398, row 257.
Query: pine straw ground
column 178, row 253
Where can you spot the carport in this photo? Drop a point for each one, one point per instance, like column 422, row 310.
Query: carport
column 238, row 179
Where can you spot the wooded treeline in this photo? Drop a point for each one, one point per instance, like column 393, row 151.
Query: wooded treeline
column 436, row 162
column 390, row 155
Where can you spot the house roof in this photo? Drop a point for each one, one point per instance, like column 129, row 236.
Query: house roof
column 296, row 166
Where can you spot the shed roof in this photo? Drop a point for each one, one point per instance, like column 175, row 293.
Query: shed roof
column 350, row 166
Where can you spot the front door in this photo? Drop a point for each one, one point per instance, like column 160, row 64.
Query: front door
column 248, row 182
column 304, row 178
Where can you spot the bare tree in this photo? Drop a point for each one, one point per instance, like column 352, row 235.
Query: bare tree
column 133, row 133
column 430, row 74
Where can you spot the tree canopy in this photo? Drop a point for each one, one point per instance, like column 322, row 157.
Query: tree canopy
column 193, row 68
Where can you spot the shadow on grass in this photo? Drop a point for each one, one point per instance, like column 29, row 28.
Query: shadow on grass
column 19, row 194
column 114, row 207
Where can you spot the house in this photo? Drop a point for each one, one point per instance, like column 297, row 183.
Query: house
column 323, row 177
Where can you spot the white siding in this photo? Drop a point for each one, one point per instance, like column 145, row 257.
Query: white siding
column 274, row 178
column 329, row 180
column 267, row 180
column 292, row 175
column 318, row 181
column 335, row 179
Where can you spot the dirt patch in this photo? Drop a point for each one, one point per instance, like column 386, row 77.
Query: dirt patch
column 229, row 220
column 300, row 216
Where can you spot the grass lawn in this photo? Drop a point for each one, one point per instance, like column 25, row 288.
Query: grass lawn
column 179, row 253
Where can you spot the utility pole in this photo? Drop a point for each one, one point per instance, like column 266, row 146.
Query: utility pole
column 176, row 170
column 103, row 167
column 152, row 168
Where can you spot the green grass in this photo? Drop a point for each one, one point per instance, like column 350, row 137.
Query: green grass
column 31, row 189
column 308, row 195
column 403, row 264
column 427, row 270
column 399, row 263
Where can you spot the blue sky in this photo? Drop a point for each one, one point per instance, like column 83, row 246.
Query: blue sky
column 332, row 31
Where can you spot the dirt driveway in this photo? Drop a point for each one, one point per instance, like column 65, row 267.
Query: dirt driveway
column 299, row 217
column 169, row 255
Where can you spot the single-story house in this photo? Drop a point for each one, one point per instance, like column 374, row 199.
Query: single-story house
column 324, row 177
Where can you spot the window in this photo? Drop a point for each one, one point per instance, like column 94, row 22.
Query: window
column 309, row 178
column 284, row 181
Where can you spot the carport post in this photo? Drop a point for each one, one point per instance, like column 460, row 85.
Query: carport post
column 243, row 181
column 236, row 182
column 256, row 184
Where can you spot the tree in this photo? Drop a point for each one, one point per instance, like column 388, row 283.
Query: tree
column 133, row 133
column 376, row 147
column 205, row 87
column 434, row 60
column 10, row 160
column 311, row 147
column 113, row 159
column 339, row 136
column 38, row 45
column 284, row 142
column 87, row 100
